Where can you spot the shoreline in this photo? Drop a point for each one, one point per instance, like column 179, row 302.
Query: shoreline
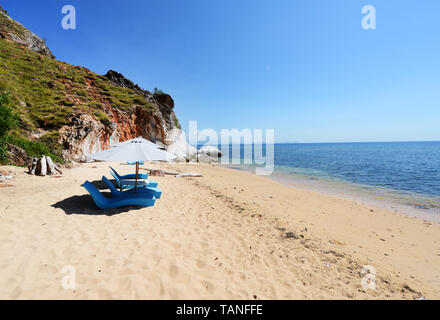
column 411, row 204
column 226, row 235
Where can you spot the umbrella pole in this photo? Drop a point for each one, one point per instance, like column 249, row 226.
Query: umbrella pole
column 137, row 173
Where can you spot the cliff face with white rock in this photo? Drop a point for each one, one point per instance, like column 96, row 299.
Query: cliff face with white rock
column 75, row 111
column 178, row 146
column 159, row 125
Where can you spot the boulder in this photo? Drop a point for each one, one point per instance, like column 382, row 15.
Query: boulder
column 210, row 151
column 164, row 99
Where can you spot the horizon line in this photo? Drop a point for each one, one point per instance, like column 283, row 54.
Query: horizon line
column 330, row 142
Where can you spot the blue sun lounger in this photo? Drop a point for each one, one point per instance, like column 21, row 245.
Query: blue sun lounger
column 146, row 191
column 141, row 183
column 124, row 185
column 130, row 176
column 128, row 199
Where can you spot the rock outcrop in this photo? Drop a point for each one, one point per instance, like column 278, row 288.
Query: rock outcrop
column 119, row 80
column 14, row 31
column 85, row 134
column 3, row 10
column 177, row 145
column 163, row 102
column 210, row 151
column 17, row 155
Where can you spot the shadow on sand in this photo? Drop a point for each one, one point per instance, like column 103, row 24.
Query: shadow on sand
column 84, row 204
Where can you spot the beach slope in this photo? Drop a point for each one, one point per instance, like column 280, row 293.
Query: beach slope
column 226, row 235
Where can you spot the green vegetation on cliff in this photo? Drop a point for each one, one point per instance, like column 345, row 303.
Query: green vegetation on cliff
column 10, row 120
column 9, row 26
column 46, row 93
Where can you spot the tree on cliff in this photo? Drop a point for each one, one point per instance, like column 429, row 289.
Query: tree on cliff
column 158, row 91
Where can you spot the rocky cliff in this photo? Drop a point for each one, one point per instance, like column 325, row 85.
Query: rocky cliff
column 12, row 30
column 154, row 121
column 73, row 110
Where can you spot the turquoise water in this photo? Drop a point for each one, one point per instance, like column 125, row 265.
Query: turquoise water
column 398, row 175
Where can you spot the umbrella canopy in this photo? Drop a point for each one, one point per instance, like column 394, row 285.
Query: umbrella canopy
column 137, row 139
column 134, row 150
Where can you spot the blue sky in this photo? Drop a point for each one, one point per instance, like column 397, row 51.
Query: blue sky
column 305, row 68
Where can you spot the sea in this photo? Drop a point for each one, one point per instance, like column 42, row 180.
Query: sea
column 399, row 176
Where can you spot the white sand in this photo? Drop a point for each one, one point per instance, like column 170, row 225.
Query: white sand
column 221, row 236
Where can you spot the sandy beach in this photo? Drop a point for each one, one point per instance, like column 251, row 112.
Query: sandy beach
column 226, row 235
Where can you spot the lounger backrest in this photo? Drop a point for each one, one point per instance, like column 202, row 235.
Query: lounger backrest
column 99, row 199
column 116, row 178
column 110, row 185
column 116, row 173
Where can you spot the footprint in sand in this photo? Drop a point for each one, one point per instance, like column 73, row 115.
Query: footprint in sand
column 241, row 275
column 208, row 286
column 200, row 264
column 174, row 271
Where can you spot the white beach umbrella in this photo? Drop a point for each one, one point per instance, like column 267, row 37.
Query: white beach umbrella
column 135, row 150
column 118, row 144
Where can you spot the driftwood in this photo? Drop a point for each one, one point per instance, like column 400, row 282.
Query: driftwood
column 50, row 166
column 177, row 174
column 43, row 166
column 58, row 169
column 164, row 171
column 5, row 185
column 38, row 167
column 33, row 166
column 189, row 174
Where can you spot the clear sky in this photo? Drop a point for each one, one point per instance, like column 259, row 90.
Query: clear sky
column 303, row 67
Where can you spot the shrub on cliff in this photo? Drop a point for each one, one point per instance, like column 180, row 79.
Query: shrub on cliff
column 8, row 119
column 3, row 153
column 33, row 148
